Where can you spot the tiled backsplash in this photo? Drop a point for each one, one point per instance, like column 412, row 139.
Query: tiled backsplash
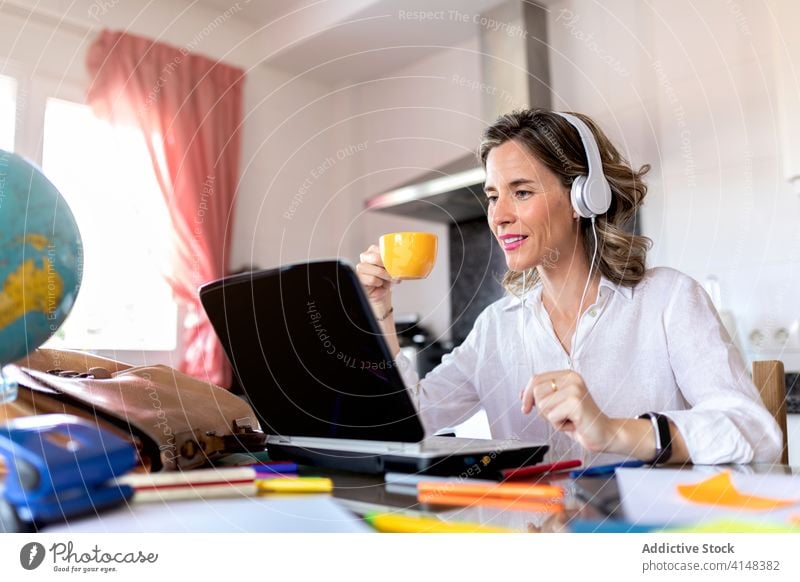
column 793, row 393
column 477, row 265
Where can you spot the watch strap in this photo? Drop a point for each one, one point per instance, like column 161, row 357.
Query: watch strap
column 663, row 437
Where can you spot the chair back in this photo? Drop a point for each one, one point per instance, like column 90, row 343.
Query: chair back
column 770, row 380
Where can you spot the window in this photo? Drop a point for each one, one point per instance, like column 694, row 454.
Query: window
column 106, row 176
column 8, row 112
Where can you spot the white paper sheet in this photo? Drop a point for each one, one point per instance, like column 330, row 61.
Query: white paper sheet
column 650, row 496
column 306, row 513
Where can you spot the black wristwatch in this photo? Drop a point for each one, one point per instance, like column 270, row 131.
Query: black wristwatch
column 663, row 437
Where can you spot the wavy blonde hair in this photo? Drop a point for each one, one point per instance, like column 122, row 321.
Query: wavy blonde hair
column 557, row 144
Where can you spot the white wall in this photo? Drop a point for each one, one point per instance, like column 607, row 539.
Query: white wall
column 413, row 120
column 288, row 189
column 690, row 88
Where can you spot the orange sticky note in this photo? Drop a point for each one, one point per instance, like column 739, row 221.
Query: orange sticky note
column 720, row 491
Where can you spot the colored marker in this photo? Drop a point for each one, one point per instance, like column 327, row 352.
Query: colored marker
column 502, row 490
column 608, row 526
column 295, row 485
column 279, row 468
column 541, row 469
column 394, row 523
column 522, row 504
column 723, row 525
column 602, row 470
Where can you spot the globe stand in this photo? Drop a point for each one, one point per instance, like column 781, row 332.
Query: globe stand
column 8, row 389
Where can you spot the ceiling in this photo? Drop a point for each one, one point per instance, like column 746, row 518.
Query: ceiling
column 335, row 41
column 261, row 12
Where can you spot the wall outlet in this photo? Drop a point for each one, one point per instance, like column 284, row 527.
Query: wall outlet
column 778, row 337
column 775, row 342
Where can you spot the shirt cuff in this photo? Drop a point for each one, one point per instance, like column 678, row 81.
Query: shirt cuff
column 407, row 371
column 711, row 438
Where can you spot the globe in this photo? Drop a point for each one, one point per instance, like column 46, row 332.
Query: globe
column 41, row 263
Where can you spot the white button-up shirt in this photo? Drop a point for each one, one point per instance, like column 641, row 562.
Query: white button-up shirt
column 659, row 346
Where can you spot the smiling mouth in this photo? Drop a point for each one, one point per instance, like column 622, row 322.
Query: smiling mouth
column 513, row 242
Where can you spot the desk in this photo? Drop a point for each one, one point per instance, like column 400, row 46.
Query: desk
column 354, row 494
column 363, row 493
column 589, row 499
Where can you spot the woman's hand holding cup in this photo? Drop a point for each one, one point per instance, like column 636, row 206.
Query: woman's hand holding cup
column 401, row 255
column 377, row 282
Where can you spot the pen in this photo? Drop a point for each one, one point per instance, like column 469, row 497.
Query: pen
column 295, row 485
column 502, row 490
column 600, row 470
column 393, row 523
column 531, row 470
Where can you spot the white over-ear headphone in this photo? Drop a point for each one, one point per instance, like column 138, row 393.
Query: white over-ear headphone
column 591, row 194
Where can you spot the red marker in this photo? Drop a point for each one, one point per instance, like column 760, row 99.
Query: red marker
column 533, row 470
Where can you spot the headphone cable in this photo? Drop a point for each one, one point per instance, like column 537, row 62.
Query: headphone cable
column 583, row 296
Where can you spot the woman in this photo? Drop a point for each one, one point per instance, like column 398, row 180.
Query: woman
column 589, row 351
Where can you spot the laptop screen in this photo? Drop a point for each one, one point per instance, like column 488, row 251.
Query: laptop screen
column 309, row 354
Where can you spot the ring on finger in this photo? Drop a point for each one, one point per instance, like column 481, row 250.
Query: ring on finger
column 553, row 385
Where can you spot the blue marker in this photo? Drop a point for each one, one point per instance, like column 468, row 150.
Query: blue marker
column 279, row 468
column 608, row 526
column 601, row 470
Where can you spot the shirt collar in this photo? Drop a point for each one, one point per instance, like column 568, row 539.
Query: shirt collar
column 535, row 294
column 624, row 290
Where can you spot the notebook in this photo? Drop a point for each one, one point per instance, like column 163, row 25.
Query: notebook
column 310, row 357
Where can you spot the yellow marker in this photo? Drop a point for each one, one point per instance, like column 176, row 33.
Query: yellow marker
column 393, row 523
column 295, row 485
column 735, row 526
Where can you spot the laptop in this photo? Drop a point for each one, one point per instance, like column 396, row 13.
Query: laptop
column 312, row 360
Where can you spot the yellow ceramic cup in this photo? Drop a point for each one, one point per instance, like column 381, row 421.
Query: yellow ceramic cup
column 408, row 255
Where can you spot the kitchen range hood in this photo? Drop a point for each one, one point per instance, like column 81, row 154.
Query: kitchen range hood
column 453, row 193
column 514, row 64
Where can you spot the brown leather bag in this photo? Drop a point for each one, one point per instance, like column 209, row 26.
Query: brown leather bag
column 175, row 421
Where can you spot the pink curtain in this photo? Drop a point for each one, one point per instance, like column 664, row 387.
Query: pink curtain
column 190, row 110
